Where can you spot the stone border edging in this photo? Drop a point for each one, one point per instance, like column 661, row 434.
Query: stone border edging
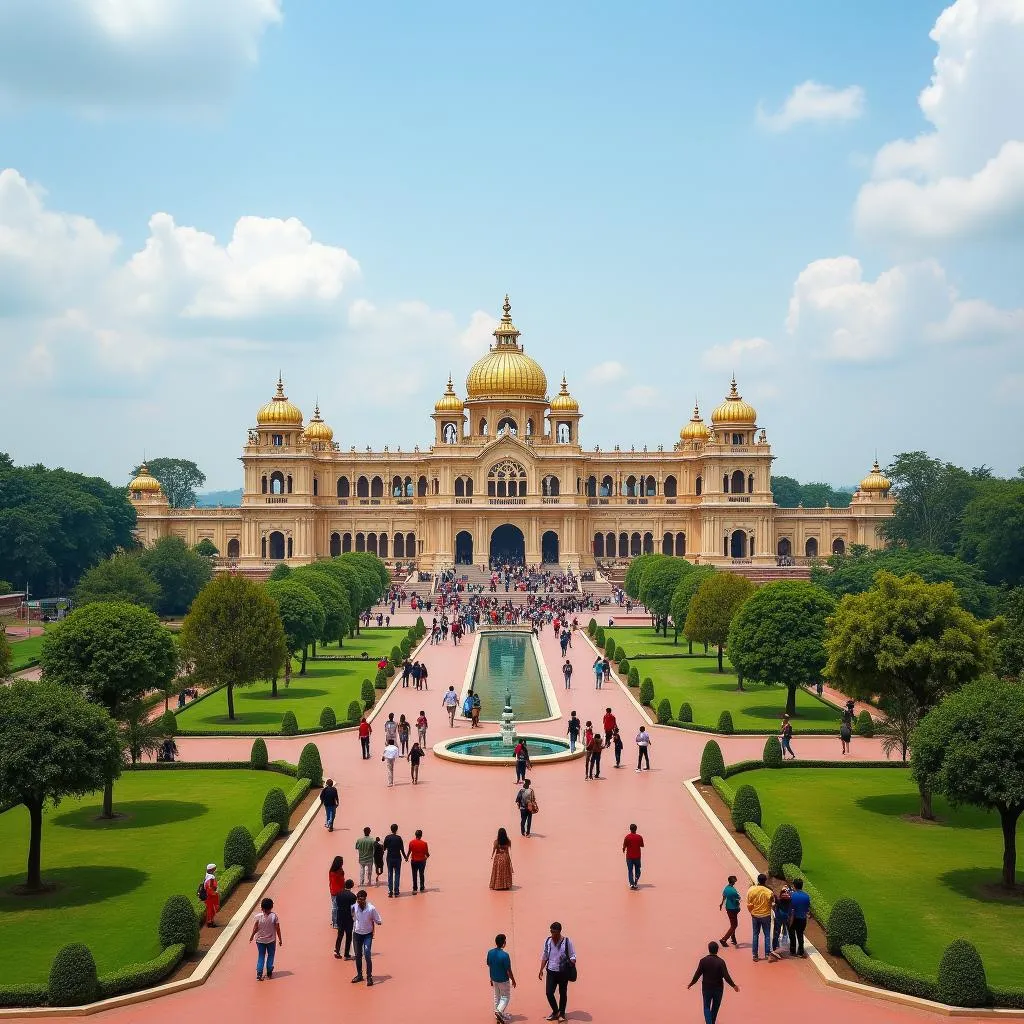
column 441, row 751
column 828, row 975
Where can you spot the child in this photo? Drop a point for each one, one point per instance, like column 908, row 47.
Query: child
column 421, row 728
column 266, row 930
column 378, row 859
column 617, row 747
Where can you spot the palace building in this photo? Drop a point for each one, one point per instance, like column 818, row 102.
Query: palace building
column 506, row 474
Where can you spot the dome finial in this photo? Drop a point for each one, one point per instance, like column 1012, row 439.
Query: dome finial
column 507, row 308
column 733, row 393
column 506, row 333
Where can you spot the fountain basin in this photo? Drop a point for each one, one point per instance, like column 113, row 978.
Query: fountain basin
column 488, row 749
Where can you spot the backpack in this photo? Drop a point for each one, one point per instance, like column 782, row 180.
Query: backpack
column 201, row 891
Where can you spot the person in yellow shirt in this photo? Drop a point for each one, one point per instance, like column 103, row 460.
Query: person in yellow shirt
column 759, row 902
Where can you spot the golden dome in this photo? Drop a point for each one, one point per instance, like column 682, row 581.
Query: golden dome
column 144, row 482
column 279, row 411
column 696, row 429
column 734, row 409
column 875, row 480
column 563, row 401
column 316, row 429
column 506, row 371
column 449, row 401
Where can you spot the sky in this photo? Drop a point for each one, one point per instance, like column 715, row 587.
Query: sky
column 826, row 199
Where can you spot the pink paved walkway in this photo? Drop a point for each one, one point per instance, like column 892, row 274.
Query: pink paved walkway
column 636, row 949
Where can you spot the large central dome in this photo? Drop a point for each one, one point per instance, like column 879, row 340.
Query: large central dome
column 506, row 371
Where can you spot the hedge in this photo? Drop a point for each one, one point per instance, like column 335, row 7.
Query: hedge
column 646, row 692
column 820, row 907
column 711, row 762
column 73, row 978
column 752, row 765
column 240, row 850
column 724, row 790
column 179, row 924
column 739, row 766
column 289, row 726
column 275, row 809
column 962, row 979
column 725, row 724
column 759, row 837
column 772, row 752
column 897, row 979
column 785, row 848
column 136, row 976
column 282, row 767
column 746, row 807
column 664, row 711
column 845, row 925
column 865, row 725
column 297, row 792
column 258, row 756
column 355, row 712
column 328, row 719
column 310, row 766
column 168, row 723
column 754, row 732
column 266, row 836
column 685, row 712
column 367, row 695
column 22, row 995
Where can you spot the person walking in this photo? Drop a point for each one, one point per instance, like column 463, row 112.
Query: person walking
column 391, row 729
column 266, row 930
column 406, row 672
column 365, row 922
column 414, row 758
column 394, row 853
column 522, row 755
column 378, row 859
column 643, row 748
column 594, row 749
column 421, row 729
column 210, row 895
column 364, row 848
column 713, row 973
column 598, row 673
column 787, row 737
column 499, row 970
column 759, row 903
column 423, row 676
column 609, row 724
column 617, row 747
column 364, row 737
column 417, row 669
column 330, row 800
column 474, row 711
column 564, row 641
column 450, row 702
column 631, row 847
column 389, row 756
column 335, row 884
column 501, row 862
column 419, row 851
column 573, row 732
column 558, row 960
column 845, row 732
column 346, row 900
column 526, row 799
column 800, row 909
column 731, row 902
column 404, row 730
column 606, row 669
column 782, row 914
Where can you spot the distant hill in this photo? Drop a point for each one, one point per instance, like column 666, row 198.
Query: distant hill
column 230, row 499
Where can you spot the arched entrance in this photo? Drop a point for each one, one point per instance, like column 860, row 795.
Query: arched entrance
column 738, row 544
column 785, row 547
column 549, row 548
column 233, row 548
column 508, row 544
column 463, row 548
column 277, row 545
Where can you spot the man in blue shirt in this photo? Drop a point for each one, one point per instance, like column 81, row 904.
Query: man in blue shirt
column 800, row 910
column 499, row 967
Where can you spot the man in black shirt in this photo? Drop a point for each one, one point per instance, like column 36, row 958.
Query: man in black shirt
column 394, row 854
column 330, row 799
column 713, row 973
column 345, row 900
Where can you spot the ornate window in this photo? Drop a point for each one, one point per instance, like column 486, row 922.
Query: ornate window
column 550, row 486
column 507, row 425
column 563, row 433
column 670, row 487
column 506, row 479
column 343, row 487
column 450, row 433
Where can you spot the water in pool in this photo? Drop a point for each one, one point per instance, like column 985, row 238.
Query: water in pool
column 506, row 664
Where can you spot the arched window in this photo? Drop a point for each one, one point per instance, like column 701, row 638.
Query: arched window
column 725, row 484
column 811, row 547
column 506, row 479
column 233, row 548
column 680, row 544
column 667, row 544
column 409, row 491
column 410, row 545
column 550, row 485
column 670, row 487
column 382, row 545
column 607, row 486
column 629, row 487
column 335, row 545
column 469, row 487
column 399, row 545
column 750, row 483
column 289, row 547
column 737, row 482
column 276, row 545
column 421, row 487
column 591, row 487
column 316, row 487
column 277, row 482
column 289, row 485
column 376, row 487
column 529, row 428
column 839, row 546
column 609, row 545
column 343, row 487
column 263, row 548
column 450, row 434
column 634, row 544
column 599, row 545
column 750, row 548
column 624, row 545
column 738, row 544
column 346, row 542
column 396, row 487
column 563, row 433
column 483, row 428
column 700, row 485
column 371, row 543
column 360, row 542
column 263, row 483
column 784, row 547
column 507, row 425
column 648, row 543
column 362, row 487
column 460, row 489
column 650, row 488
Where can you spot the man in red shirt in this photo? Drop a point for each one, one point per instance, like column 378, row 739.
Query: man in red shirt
column 364, row 737
column 609, row 724
column 418, row 854
column 631, row 847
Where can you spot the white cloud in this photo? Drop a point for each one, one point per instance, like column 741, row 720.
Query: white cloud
column 478, row 336
column 739, row 353
column 104, row 54
column 965, row 177
column 640, row 396
column 814, row 102
column 605, row 373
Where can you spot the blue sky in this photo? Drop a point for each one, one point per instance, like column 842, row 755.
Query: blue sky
column 668, row 191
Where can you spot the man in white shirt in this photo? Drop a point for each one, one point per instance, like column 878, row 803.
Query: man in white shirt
column 365, row 920
column 450, row 702
column 643, row 743
column 391, row 752
column 556, row 957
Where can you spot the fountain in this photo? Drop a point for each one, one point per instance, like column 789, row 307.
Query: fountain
column 508, row 726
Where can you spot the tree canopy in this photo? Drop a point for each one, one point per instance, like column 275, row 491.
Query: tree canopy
column 333, row 597
column 717, row 600
column 5, row 654
column 178, row 477
column 993, row 528
column 679, row 607
column 302, row 615
column 777, row 636
column 970, row 748
column 787, row 492
column 1010, row 644
column 660, row 582
column 635, row 572
column 122, row 577
column 206, row 548
column 179, row 571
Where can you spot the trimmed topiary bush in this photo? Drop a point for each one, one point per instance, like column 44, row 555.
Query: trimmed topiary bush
column 725, row 725
column 685, row 712
column 624, row 668
column 592, row 627
column 258, row 756
column 785, row 848
column 168, row 724
column 609, row 648
column 178, row 923
column 420, row 627
column 664, row 711
column 289, row 726
column 646, row 693
column 396, row 655
column 711, row 762
column 772, row 752
column 73, row 979
column 845, row 926
column 599, row 637
column 745, row 807
column 275, row 808
column 240, row 850
column 367, row 695
column 380, row 681
column 328, row 719
column 866, row 727
column 962, row 980
column 311, row 767
column 355, row 712
column 405, row 647
column 633, row 677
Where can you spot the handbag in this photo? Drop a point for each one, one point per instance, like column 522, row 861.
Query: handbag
column 531, row 807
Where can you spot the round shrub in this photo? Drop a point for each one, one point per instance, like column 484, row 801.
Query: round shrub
column 355, row 711
column 73, row 978
column 599, row 636
column 310, row 766
column 785, row 848
column 866, row 727
column 380, row 681
column 366, row 694
column 725, row 725
column 275, row 808
column 609, row 648
column 396, row 655
column 845, row 926
column 664, row 711
column 168, row 724
column 624, row 668
column 328, row 719
column 962, row 980
column 179, row 923
column 685, row 712
column 711, row 762
column 289, row 726
column 646, row 693
column 745, row 807
column 240, row 849
column 592, row 627
column 772, row 752
column 405, row 647
column 633, row 677
column 258, row 756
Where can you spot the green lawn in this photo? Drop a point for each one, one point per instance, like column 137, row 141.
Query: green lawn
column 643, row 640
column 113, row 877
column 920, row 886
column 25, row 652
column 373, row 641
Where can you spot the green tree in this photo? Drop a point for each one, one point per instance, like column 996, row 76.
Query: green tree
column 348, row 576
column 343, row 576
column 233, row 635
column 140, row 734
column 993, row 526
column 281, row 571
column 633, row 583
column 113, row 653
column 178, row 477
column 1010, row 645
column 302, row 615
column 711, row 612
column 818, row 495
column 119, row 578
column 778, row 636
column 179, row 572
column 970, row 748
column 5, row 654
column 785, row 491
column 660, row 583
column 682, row 596
column 53, row 744
column 333, row 596
column 206, row 548
column 907, row 642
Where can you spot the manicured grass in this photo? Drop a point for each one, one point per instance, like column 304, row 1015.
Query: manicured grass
column 375, row 642
column 25, row 652
column 920, row 886
column 643, row 640
column 113, row 877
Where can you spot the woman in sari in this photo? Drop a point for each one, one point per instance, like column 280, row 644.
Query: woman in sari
column 501, row 861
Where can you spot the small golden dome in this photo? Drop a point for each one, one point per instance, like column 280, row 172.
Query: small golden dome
column 875, row 481
column 734, row 409
column 449, row 401
column 144, row 482
column 696, row 429
column 316, row 429
column 563, row 401
column 506, row 371
column 279, row 411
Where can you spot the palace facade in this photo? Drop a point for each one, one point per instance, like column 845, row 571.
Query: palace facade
column 507, row 473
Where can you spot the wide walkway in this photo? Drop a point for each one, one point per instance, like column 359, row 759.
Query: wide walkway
column 636, row 949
